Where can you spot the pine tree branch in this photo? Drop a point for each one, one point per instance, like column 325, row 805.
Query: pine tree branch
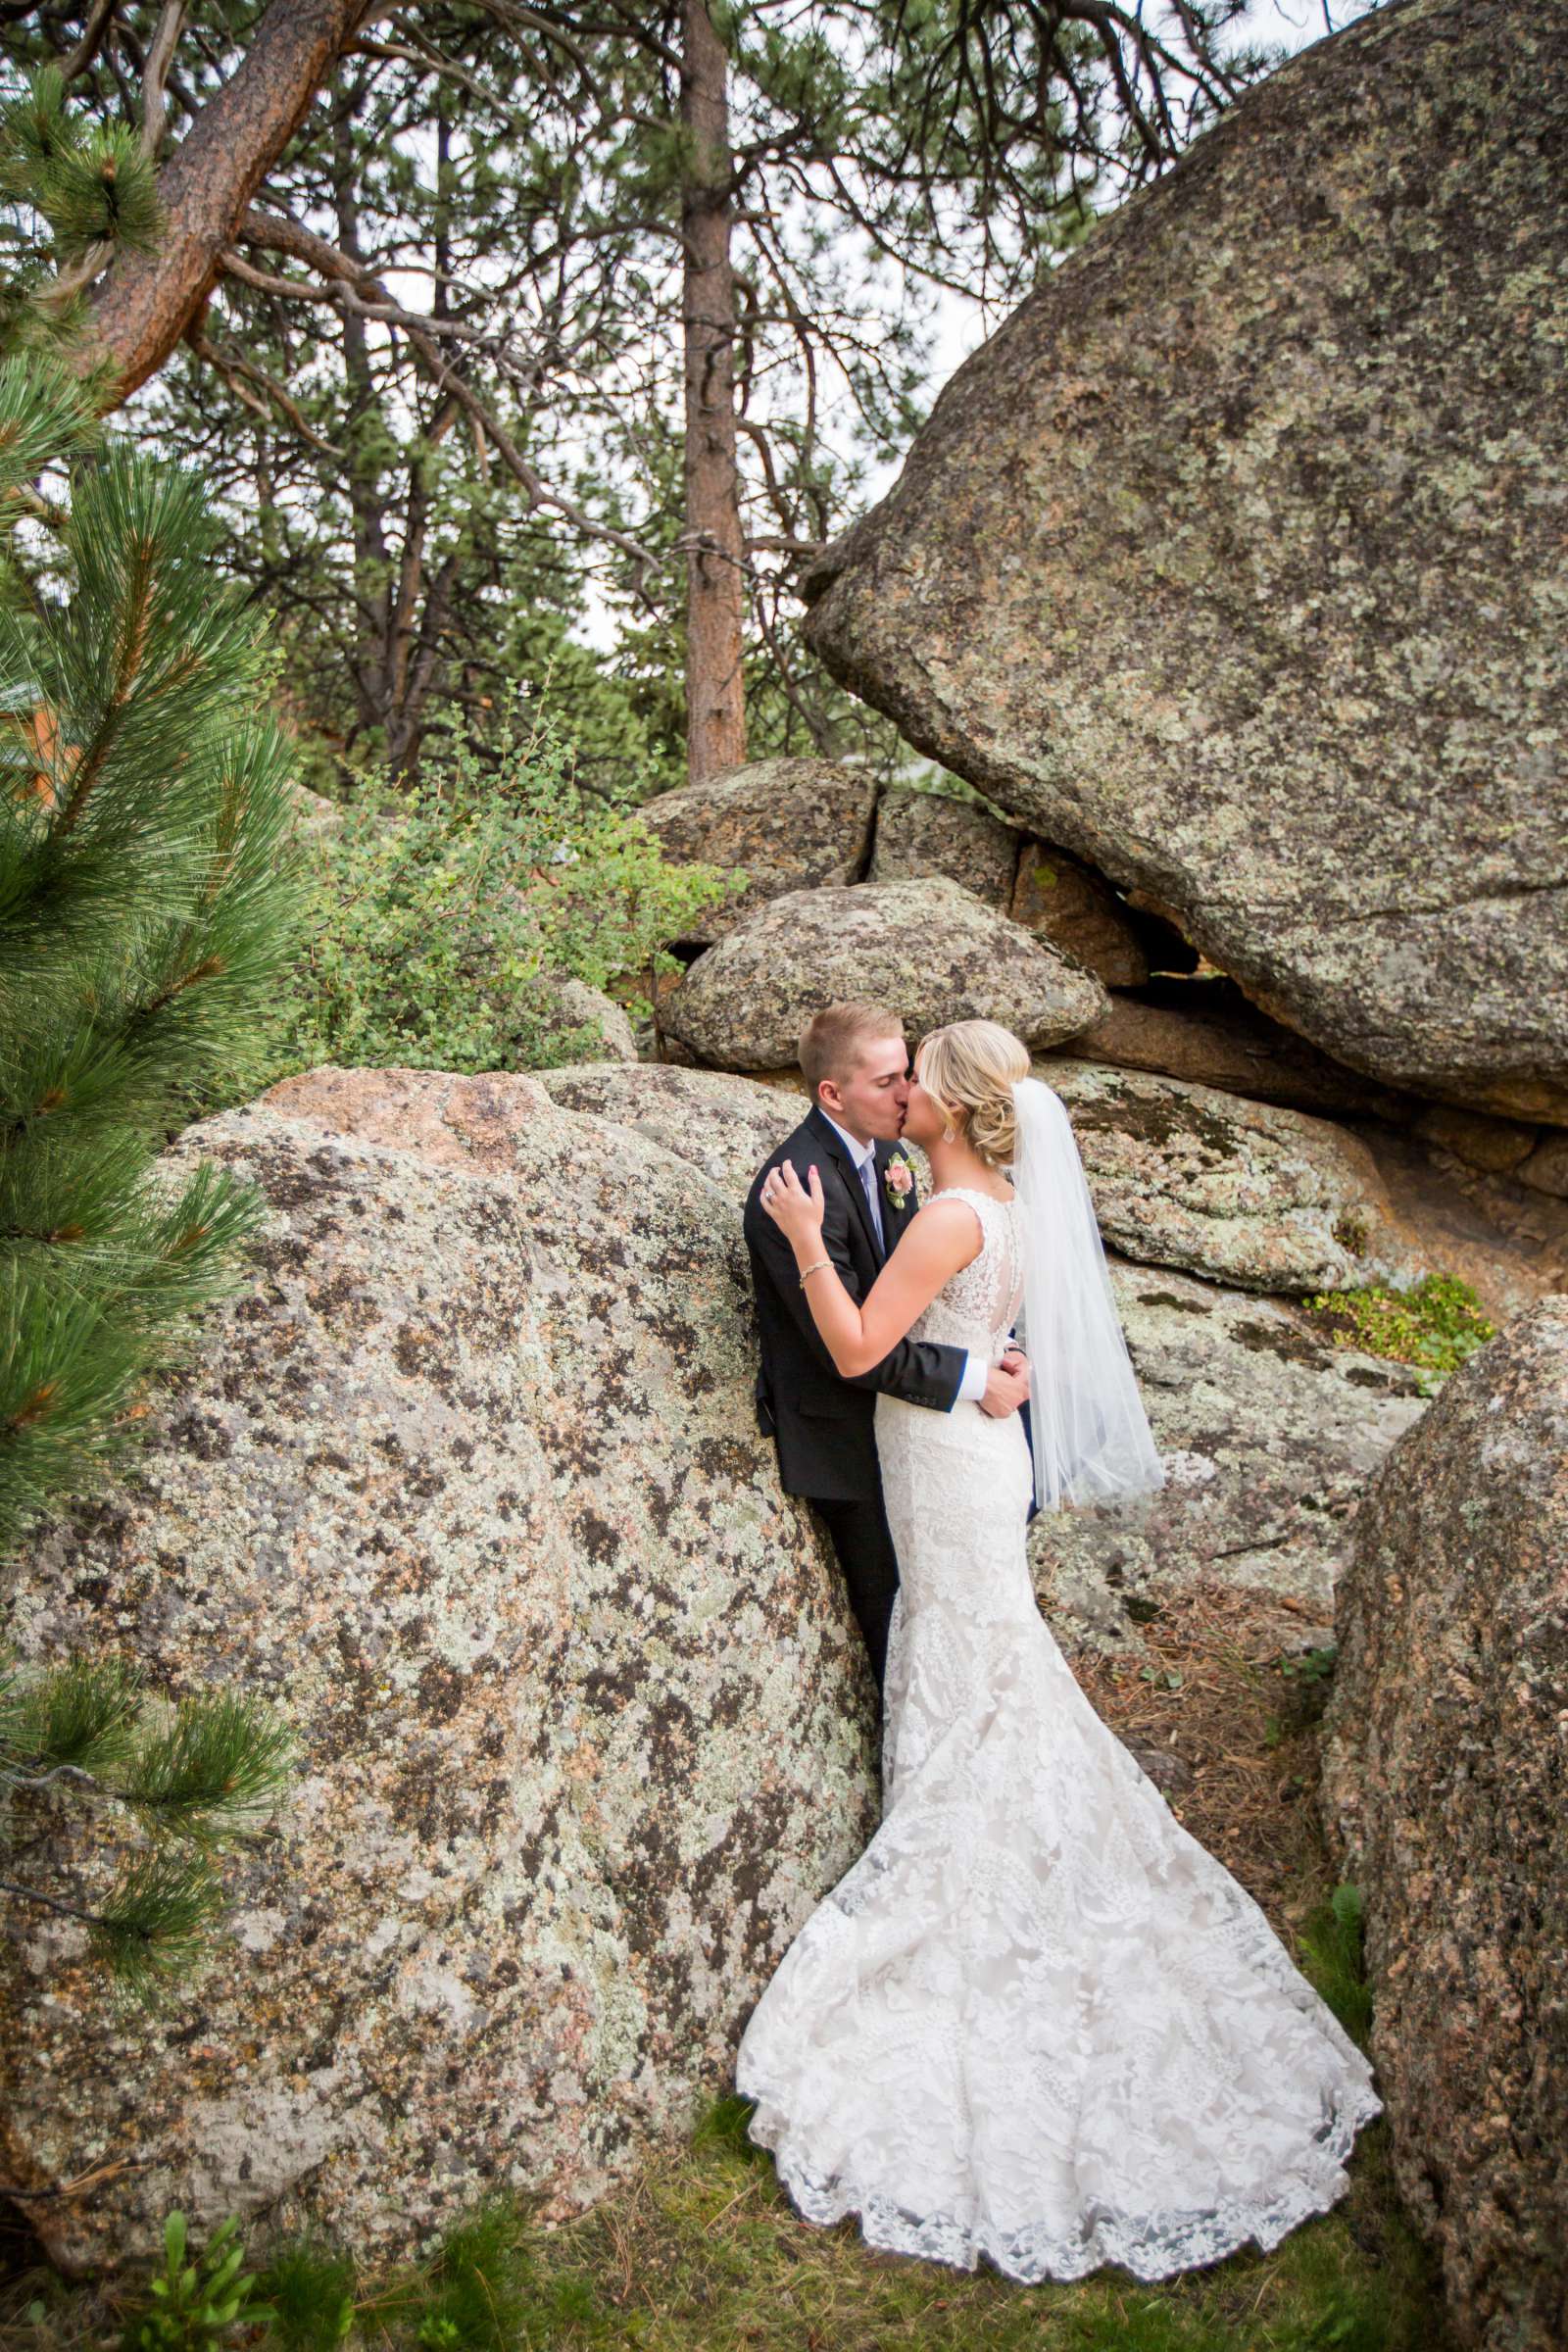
column 51, row 1902
column 147, row 301
column 284, row 235
column 233, row 367
column 91, row 41
column 155, row 76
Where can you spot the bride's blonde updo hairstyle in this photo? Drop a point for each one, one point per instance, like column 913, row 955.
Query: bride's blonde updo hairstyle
column 971, row 1068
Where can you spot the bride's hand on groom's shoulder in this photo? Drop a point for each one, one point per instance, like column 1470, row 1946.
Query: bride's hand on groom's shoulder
column 796, row 1208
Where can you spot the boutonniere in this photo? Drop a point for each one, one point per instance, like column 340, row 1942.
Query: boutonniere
column 899, row 1179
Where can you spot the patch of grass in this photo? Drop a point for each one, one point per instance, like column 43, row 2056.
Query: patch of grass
column 1331, row 1957
column 1434, row 1326
column 702, row 2252
column 310, row 2290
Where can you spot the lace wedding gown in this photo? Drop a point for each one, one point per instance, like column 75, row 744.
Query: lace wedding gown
column 1037, row 2019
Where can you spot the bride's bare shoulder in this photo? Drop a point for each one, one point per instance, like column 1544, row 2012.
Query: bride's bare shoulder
column 952, row 1220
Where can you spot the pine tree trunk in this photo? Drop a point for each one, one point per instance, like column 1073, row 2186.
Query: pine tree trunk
column 372, row 565
column 148, row 299
column 715, row 706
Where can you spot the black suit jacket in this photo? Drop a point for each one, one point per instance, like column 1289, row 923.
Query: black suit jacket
column 822, row 1423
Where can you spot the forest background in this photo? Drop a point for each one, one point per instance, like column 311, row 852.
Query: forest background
column 529, row 351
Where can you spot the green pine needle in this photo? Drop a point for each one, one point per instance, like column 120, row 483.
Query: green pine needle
column 213, row 1773
column 152, row 1929
column 82, row 1717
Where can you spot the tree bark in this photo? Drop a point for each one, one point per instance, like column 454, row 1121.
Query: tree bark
column 715, row 704
column 148, row 300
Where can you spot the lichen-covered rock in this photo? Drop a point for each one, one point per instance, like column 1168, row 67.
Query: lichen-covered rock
column 724, row 1125
column 580, row 1007
column 1205, row 1031
column 927, row 950
column 1061, row 901
column 468, row 1480
column 1446, row 1771
column 1247, row 1193
column 921, row 833
column 790, row 823
column 1268, row 1436
column 1232, row 560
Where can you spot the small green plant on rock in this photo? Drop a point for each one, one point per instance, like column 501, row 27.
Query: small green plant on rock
column 309, row 2291
column 1434, row 1326
column 196, row 2299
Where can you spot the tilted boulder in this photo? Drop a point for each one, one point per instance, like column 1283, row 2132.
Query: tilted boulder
column 1231, row 561
column 789, row 823
column 927, row 950
column 920, row 833
column 468, row 1480
column 1444, row 1776
column 1244, row 1192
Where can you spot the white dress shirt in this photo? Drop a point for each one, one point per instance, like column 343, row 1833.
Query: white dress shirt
column 972, row 1387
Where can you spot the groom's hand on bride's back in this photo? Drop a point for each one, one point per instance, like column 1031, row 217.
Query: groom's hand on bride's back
column 1007, row 1386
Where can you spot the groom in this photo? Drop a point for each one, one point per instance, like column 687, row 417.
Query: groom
column 856, row 1067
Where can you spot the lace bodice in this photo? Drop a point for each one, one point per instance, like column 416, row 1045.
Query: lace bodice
column 976, row 1309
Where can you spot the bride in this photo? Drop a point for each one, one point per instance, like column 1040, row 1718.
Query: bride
column 1036, row 2020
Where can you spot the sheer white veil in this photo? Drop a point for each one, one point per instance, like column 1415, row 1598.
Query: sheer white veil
column 1092, row 1439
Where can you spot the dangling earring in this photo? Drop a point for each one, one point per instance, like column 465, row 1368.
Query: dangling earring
column 949, row 1133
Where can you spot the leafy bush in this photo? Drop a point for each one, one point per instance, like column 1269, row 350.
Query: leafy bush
column 442, row 911
column 1435, row 1325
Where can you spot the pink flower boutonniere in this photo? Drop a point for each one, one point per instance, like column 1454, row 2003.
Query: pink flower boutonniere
column 899, row 1179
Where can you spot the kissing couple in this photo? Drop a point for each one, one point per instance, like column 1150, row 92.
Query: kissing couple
column 1037, row 2022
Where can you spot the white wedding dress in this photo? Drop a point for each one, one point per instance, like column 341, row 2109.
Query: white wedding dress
column 1036, row 2020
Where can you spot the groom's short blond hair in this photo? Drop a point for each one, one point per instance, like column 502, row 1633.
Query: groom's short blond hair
column 833, row 1039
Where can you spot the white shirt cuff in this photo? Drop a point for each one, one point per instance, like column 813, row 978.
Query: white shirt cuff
column 972, row 1387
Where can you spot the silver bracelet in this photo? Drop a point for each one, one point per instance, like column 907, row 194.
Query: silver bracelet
column 816, row 1270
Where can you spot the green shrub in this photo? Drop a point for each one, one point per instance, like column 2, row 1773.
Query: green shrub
column 441, row 909
column 1435, row 1325
column 196, row 2299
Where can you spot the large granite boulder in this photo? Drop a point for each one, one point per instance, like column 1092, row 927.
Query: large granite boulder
column 789, row 823
column 1447, row 1770
column 1232, row 560
column 466, row 1480
column 1268, row 1434
column 724, row 1125
column 927, row 950
column 919, row 833
column 1265, row 1198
